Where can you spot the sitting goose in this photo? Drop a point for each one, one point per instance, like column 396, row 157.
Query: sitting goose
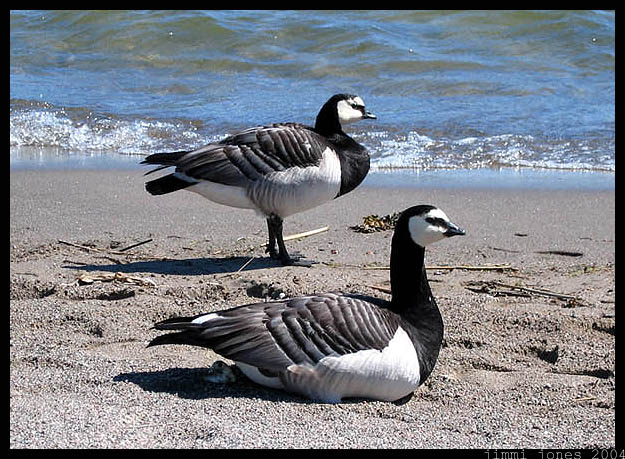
column 277, row 170
column 333, row 345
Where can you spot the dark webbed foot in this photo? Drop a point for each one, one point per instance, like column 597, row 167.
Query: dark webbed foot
column 295, row 259
column 272, row 250
column 274, row 225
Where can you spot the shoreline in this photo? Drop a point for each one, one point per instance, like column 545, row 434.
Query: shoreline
column 38, row 159
column 516, row 370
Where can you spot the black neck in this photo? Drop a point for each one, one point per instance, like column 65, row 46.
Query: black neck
column 409, row 283
column 327, row 123
column 413, row 299
column 354, row 157
column 355, row 165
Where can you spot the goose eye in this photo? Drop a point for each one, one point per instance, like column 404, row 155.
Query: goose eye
column 435, row 221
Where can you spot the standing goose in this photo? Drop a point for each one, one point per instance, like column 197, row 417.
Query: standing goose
column 333, row 345
column 277, row 170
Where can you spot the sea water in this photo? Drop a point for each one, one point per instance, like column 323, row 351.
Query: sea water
column 462, row 97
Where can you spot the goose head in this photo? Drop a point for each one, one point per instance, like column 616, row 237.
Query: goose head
column 428, row 224
column 339, row 110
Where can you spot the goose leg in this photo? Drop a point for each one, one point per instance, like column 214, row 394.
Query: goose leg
column 271, row 249
column 274, row 223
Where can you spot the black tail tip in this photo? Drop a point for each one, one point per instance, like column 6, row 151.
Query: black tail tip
column 165, row 185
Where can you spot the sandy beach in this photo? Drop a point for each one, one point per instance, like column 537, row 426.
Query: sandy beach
column 527, row 297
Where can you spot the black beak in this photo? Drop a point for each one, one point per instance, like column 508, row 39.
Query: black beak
column 453, row 230
column 369, row 116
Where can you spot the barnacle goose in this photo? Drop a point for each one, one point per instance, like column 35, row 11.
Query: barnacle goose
column 333, row 345
column 277, row 170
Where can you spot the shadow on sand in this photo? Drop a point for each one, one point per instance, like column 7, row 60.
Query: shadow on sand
column 184, row 266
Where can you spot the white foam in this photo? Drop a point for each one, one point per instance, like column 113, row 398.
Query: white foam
column 417, row 151
column 46, row 128
column 87, row 132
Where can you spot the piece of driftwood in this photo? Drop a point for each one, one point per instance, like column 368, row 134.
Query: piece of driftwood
column 110, row 251
column 306, row 233
column 380, row 288
column 88, row 278
column 123, row 251
column 245, row 264
column 499, row 267
column 84, row 247
column 564, row 253
column 495, row 288
column 487, row 287
column 501, row 249
column 135, row 245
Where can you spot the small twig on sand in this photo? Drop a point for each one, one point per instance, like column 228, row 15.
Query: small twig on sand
column 113, row 277
column 84, row 247
column 306, row 233
column 244, row 265
column 504, row 250
column 302, row 235
column 564, row 253
column 490, row 287
column 452, row 267
column 537, row 291
column 95, row 249
column 238, row 271
column 135, row 245
column 66, row 260
column 585, row 399
column 475, row 267
column 380, row 288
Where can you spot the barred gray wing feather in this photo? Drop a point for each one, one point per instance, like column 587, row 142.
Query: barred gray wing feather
column 249, row 155
column 275, row 335
column 264, row 149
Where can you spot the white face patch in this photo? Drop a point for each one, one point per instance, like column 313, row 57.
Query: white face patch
column 357, row 100
column 424, row 232
column 347, row 113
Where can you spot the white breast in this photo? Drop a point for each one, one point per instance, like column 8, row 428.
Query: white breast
column 281, row 193
column 297, row 189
